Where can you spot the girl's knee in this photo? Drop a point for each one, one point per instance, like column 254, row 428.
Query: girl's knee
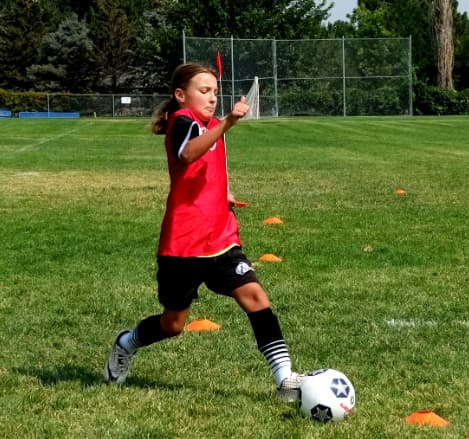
column 172, row 323
column 251, row 297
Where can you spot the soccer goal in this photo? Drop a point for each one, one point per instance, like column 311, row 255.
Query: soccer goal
column 252, row 99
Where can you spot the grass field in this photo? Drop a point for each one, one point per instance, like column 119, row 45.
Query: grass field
column 372, row 283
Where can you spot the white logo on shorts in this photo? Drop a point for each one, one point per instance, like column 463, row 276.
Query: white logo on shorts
column 243, row 268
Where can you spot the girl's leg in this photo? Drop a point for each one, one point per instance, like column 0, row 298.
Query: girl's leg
column 172, row 322
column 251, row 297
column 254, row 301
column 150, row 330
column 153, row 329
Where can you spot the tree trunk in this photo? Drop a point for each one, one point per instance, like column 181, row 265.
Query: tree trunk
column 443, row 19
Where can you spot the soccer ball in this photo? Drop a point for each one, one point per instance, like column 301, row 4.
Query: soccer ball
column 326, row 395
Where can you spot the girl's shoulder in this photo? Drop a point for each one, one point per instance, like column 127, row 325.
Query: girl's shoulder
column 185, row 112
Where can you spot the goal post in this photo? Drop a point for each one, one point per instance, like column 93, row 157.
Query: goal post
column 252, row 99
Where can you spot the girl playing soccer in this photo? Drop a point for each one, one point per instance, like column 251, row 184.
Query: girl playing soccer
column 199, row 240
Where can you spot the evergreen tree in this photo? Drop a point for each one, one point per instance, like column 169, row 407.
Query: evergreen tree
column 114, row 38
column 149, row 72
column 68, row 59
column 80, row 7
column 21, row 31
column 135, row 9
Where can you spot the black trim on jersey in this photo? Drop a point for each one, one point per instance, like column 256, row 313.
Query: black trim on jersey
column 179, row 132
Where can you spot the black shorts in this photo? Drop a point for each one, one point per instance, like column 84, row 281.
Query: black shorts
column 180, row 278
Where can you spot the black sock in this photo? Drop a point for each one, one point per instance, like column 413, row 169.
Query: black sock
column 149, row 331
column 265, row 326
column 270, row 342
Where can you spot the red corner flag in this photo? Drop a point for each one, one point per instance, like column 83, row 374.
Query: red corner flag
column 219, row 64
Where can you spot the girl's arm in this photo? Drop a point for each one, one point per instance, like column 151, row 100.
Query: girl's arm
column 198, row 146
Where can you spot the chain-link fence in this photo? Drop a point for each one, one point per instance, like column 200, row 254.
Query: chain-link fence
column 88, row 105
column 359, row 76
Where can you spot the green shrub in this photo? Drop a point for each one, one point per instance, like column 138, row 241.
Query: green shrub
column 432, row 100
column 23, row 101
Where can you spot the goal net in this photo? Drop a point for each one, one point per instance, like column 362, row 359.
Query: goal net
column 252, row 99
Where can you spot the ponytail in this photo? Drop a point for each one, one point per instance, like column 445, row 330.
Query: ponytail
column 159, row 120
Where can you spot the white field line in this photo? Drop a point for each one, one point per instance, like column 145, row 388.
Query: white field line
column 40, row 142
column 418, row 323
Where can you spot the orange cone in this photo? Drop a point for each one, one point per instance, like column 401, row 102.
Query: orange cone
column 241, row 204
column 426, row 417
column 400, row 192
column 269, row 257
column 199, row 325
column 272, row 220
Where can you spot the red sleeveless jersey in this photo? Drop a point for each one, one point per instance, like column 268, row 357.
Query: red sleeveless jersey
column 198, row 220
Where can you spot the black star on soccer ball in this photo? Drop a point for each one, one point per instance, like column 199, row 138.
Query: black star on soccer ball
column 321, row 413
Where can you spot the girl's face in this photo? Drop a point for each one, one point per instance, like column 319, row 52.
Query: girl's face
column 200, row 95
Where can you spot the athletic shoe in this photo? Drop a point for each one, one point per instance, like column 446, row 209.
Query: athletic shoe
column 289, row 390
column 118, row 364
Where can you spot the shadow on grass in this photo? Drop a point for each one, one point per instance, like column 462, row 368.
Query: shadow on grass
column 88, row 377
column 52, row 376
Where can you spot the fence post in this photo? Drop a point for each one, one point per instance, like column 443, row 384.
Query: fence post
column 274, row 59
column 232, row 72
column 48, row 104
column 344, row 82
column 411, row 105
column 184, row 46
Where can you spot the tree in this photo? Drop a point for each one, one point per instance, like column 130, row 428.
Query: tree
column 67, row 54
column 114, row 38
column 282, row 19
column 372, row 23
column 80, row 7
column 135, row 9
column 149, row 72
column 21, row 31
column 403, row 18
column 303, row 19
column 443, row 22
column 461, row 52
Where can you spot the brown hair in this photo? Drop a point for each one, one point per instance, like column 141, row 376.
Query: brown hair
column 180, row 79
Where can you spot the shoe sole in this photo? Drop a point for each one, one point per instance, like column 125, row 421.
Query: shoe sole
column 292, row 396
